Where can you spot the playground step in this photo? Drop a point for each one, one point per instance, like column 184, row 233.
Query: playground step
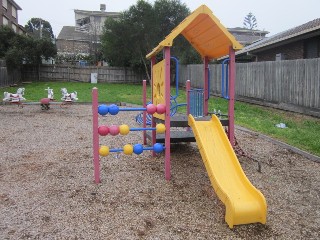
column 182, row 120
column 176, row 137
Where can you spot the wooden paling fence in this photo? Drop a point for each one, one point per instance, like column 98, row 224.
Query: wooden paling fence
column 290, row 85
column 80, row 74
column 8, row 78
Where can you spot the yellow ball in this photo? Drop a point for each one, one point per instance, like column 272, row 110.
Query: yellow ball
column 124, row 129
column 103, row 151
column 128, row 149
column 160, row 128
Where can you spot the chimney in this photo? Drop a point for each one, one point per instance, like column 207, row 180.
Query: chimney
column 102, row 7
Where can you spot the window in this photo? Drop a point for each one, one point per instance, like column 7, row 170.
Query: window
column 14, row 12
column 5, row 4
column 14, row 27
column 312, row 48
column 5, row 20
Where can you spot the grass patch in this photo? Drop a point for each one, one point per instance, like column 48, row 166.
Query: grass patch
column 302, row 131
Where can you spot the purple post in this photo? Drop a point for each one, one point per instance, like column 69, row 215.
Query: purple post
column 206, row 86
column 96, row 162
column 144, row 100
column 167, row 114
column 232, row 74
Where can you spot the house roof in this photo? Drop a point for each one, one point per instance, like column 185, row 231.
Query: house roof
column 97, row 13
column 284, row 36
column 204, row 32
column 69, row 33
column 15, row 4
column 247, row 36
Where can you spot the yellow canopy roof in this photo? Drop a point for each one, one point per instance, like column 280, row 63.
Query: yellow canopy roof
column 204, row 32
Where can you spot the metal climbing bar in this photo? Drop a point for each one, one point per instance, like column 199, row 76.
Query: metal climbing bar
column 196, row 102
column 225, row 78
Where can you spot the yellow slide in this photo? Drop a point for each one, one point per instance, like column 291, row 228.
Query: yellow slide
column 244, row 203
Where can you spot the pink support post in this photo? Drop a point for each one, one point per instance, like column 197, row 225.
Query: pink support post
column 232, row 75
column 206, row 86
column 96, row 160
column 144, row 100
column 153, row 123
column 167, row 114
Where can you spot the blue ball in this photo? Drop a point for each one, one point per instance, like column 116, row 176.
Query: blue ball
column 113, row 109
column 158, row 147
column 138, row 149
column 103, row 109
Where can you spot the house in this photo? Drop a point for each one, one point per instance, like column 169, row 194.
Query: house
column 9, row 15
column 83, row 39
column 301, row 42
column 73, row 42
column 247, row 36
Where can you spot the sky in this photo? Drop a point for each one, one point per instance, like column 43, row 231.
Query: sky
column 273, row 16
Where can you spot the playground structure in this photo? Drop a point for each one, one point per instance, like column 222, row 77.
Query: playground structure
column 244, row 203
column 113, row 130
column 68, row 97
column 17, row 98
column 50, row 93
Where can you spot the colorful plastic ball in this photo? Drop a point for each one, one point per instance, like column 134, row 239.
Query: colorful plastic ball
column 158, row 147
column 103, row 130
column 103, row 109
column 124, row 129
column 138, row 149
column 161, row 108
column 160, row 128
column 114, row 130
column 103, row 151
column 151, row 108
column 113, row 109
column 128, row 149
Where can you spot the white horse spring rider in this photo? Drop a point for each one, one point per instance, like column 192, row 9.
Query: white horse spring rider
column 68, row 97
column 50, row 93
column 14, row 97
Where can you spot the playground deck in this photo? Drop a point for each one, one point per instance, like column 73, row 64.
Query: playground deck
column 182, row 135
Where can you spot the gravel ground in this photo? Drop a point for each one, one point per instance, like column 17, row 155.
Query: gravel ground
column 47, row 189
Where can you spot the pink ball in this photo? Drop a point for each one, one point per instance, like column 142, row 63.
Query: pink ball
column 103, row 130
column 114, row 130
column 151, row 109
column 161, row 108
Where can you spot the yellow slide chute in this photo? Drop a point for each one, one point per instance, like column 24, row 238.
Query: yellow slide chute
column 244, row 203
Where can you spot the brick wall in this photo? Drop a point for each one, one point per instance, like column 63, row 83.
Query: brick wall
column 291, row 51
column 8, row 14
column 71, row 46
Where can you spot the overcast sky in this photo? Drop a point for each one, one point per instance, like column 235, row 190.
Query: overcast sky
column 272, row 15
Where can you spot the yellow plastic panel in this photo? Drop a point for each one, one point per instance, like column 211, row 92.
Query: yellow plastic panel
column 244, row 203
column 158, row 86
column 204, row 32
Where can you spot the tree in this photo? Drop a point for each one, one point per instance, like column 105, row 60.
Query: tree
column 18, row 49
column 39, row 28
column 250, row 21
column 127, row 40
column 30, row 51
column 6, row 36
